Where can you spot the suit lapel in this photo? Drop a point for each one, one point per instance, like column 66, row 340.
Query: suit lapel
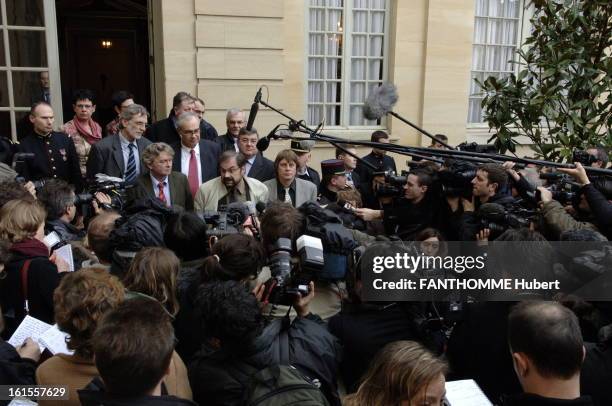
column 178, row 158
column 173, row 185
column 118, row 155
column 148, row 185
column 257, row 163
column 204, row 163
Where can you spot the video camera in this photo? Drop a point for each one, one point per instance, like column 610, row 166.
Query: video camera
column 19, row 165
column 456, row 179
column 229, row 219
column 480, row 148
column 394, row 184
column 498, row 218
column 564, row 189
column 114, row 187
column 292, row 271
column 583, row 157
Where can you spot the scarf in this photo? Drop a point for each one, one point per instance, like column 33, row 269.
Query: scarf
column 94, row 136
column 31, row 247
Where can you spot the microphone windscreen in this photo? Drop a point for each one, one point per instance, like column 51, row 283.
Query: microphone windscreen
column 380, row 101
column 252, row 207
column 263, row 144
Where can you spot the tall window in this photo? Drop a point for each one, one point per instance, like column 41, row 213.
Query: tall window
column 28, row 60
column 497, row 34
column 347, row 53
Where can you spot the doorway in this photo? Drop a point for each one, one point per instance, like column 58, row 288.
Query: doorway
column 104, row 47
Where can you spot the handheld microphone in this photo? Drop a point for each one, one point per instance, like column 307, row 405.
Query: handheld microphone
column 264, row 142
column 261, row 208
column 254, row 110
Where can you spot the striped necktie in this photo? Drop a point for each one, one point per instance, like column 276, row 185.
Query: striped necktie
column 130, row 171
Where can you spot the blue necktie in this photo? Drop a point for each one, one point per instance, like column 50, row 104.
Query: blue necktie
column 130, row 171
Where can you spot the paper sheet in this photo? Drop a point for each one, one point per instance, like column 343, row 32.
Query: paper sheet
column 55, row 341
column 29, row 327
column 466, row 393
column 65, row 253
column 22, row 402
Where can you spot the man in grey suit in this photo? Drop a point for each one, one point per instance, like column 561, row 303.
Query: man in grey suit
column 286, row 187
column 171, row 188
column 119, row 155
column 194, row 157
column 257, row 167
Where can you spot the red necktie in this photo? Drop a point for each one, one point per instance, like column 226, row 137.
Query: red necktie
column 192, row 175
column 162, row 195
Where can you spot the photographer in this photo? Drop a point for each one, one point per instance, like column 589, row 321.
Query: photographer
column 59, row 200
column 600, row 205
column 487, row 187
column 557, row 220
column 281, row 220
column 417, row 210
column 239, row 344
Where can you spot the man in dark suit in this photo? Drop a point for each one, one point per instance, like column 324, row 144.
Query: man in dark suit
column 302, row 150
column 207, row 131
column 161, row 182
column 54, row 153
column 235, row 121
column 380, row 160
column 257, row 167
column 166, row 130
column 195, row 158
column 350, row 163
column 119, row 155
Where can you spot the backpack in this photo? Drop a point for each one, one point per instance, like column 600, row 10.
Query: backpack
column 281, row 385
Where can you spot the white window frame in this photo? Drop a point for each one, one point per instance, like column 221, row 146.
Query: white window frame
column 50, row 30
column 356, row 131
column 482, row 129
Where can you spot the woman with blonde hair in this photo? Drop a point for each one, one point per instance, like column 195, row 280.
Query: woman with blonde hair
column 404, row 373
column 31, row 275
column 153, row 273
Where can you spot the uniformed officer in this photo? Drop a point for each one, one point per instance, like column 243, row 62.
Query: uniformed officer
column 54, row 153
column 334, row 180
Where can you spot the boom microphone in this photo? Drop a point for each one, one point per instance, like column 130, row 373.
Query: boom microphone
column 264, row 142
column 254, row 110
column 380, row 101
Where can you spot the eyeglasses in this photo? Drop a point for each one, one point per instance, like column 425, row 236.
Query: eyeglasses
column 190, row 132
column 233, row 169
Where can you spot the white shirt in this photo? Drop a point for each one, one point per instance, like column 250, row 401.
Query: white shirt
column 186, row 156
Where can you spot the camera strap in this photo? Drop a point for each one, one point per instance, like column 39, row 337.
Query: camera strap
column 283, row 340
column 24, row 284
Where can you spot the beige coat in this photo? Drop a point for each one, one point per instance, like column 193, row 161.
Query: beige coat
column 211, row 192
